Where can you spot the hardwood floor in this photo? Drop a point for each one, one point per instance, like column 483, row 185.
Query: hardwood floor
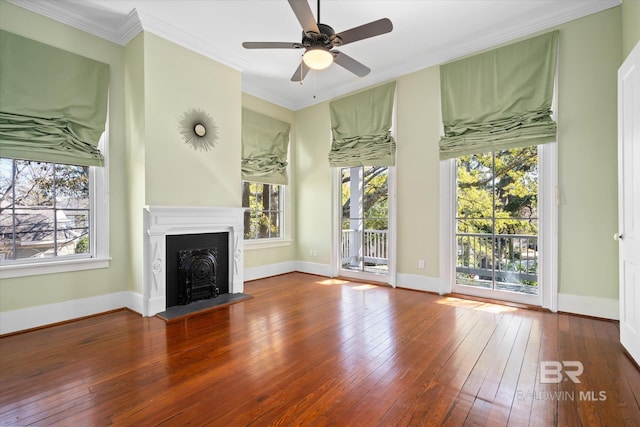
column 312, row 351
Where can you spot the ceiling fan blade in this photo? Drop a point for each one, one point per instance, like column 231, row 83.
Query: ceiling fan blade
column 305, row 17
column 300, row 73
column 372, row 29
column 271, row 45
column 350, row 64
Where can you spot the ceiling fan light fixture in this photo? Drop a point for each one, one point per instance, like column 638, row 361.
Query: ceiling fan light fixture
column 317, row 58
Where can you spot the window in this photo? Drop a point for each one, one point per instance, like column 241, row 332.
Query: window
column 497, row 220
column 53, row 217
column 264, row 217
column 45, row 210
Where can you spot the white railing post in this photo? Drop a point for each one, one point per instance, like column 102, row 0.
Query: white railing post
column 356, row 205
column 372, row 247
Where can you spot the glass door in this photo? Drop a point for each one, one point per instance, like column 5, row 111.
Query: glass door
column 497, row 225
column 364, row 219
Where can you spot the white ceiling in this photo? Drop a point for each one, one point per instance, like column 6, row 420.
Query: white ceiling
column 425, row 33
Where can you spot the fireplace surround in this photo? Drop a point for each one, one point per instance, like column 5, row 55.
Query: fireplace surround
column 162, row 221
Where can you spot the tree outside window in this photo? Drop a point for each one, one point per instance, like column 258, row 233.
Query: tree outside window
column 497, row 217
column 264, row 214
column 45, row 210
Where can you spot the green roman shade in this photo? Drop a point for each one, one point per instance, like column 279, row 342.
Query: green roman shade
column 265, row 143
column 53, row 103
column 499, row 99
column 361, row 128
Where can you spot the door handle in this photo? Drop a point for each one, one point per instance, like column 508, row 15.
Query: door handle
column 617, row 236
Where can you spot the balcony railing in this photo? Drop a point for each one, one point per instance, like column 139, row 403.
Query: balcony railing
column 369, row 245
column 507, row 258
column 511, row 258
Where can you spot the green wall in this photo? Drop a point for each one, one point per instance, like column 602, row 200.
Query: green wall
column 164, row 81
column 418, row 172
column 134, row 90
column 37, row 290
column 589, row 55
column 153, row 82
column 150, row 164
column 313, row 198
column 630, row 25
column 176, row 81
column 255, row 257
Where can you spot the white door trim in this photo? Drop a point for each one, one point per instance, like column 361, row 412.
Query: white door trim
column 447, row 225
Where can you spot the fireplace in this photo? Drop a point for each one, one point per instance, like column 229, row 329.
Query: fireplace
column 209, row 243
column 197, row 267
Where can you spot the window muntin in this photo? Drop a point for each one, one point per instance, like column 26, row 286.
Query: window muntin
column 264, row 216
column 45, row 211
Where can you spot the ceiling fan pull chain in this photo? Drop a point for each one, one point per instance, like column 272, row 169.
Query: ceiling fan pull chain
column 301, row 74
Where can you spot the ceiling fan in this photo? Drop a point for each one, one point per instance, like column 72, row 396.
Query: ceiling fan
column 319, row 41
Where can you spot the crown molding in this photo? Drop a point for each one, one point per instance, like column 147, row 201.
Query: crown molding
column 128, row 27
column 449, row 53
column 122, row 29
column 63, row 12
column 131, row 27
column 440, row 56
column 189, row 41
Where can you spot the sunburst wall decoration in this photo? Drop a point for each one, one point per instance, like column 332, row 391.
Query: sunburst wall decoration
column 198, row 130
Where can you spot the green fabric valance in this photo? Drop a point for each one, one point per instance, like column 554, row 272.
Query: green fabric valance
column 265, row 143
column 499, row 99
column 53, row 103
column 361, row 128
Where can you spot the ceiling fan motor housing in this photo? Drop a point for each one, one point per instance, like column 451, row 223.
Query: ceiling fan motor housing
column 327, row 37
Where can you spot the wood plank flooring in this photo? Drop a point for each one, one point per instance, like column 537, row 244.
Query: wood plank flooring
column 313, row 351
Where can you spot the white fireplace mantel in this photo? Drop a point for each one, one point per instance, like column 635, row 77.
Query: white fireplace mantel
column 160, row 221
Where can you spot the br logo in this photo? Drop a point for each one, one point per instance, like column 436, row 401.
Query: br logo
column 553, row 371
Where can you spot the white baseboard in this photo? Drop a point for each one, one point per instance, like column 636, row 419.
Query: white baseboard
column 419, row 283
column 42, row 315
column 135, row 302
column 606, row 308
column 269, row 270
column 263, row 271
column 33, row 317
column 314, row 268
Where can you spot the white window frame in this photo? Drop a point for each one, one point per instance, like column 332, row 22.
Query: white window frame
column 285, row 228
column 99, row 229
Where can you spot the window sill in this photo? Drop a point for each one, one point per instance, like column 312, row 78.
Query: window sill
column 266, row 244
column 51, row 267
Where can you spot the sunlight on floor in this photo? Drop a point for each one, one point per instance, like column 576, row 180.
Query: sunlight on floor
column 476, row 305
column 329, row 282
column 364, row 287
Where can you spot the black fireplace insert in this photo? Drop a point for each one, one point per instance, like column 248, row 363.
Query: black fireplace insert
column 197, row 267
